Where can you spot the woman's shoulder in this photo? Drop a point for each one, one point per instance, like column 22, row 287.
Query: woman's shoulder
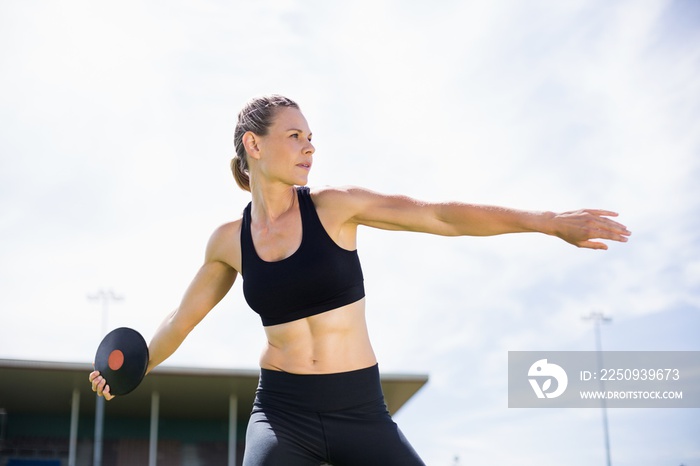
column 227, row 230
column 337, row 194
column 224, row 242
column 349, row 197
column 342, row 204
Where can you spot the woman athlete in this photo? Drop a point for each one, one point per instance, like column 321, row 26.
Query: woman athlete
column 319, row 398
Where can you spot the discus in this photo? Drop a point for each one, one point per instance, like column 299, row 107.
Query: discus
column 122, row 359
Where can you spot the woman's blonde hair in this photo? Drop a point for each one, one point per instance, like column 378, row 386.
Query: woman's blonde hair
column 256, row 116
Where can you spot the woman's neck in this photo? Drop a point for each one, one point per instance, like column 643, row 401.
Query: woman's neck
column 272, row 202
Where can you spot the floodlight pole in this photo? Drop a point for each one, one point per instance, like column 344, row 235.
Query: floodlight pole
column 599, row 318
column 106, row 297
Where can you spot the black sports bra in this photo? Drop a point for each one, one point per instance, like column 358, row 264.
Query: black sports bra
column 317, row 277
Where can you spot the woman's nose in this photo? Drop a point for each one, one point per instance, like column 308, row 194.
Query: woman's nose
column 309, row 149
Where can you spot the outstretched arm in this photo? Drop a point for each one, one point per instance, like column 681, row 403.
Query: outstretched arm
column 579, row 227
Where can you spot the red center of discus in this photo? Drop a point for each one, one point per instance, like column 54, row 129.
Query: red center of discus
column 115, row 360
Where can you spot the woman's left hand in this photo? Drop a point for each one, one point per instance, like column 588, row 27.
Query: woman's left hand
column 581, row 226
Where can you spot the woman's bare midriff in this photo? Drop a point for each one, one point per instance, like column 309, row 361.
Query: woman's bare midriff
column 330, row 342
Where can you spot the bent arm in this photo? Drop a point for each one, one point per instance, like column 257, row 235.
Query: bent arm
column 213, row 280
column 209, row 286
column 462, row 219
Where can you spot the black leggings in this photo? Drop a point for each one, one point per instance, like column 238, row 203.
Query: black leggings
column 339, row 419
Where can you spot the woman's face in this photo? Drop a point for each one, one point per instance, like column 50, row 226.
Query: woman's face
column 286, row 152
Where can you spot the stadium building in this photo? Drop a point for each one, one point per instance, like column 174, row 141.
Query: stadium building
column 176, row 417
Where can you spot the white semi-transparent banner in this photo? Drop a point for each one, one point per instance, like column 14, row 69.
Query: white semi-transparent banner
column 616, row 379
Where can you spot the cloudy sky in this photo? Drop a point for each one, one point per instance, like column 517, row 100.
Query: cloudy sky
column 116, row 127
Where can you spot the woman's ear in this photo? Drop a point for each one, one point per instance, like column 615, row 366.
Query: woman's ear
column 250, row 143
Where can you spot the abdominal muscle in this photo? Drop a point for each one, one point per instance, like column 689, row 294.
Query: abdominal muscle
column 330, row 342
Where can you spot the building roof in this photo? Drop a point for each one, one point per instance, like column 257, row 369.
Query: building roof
column 45, row 387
